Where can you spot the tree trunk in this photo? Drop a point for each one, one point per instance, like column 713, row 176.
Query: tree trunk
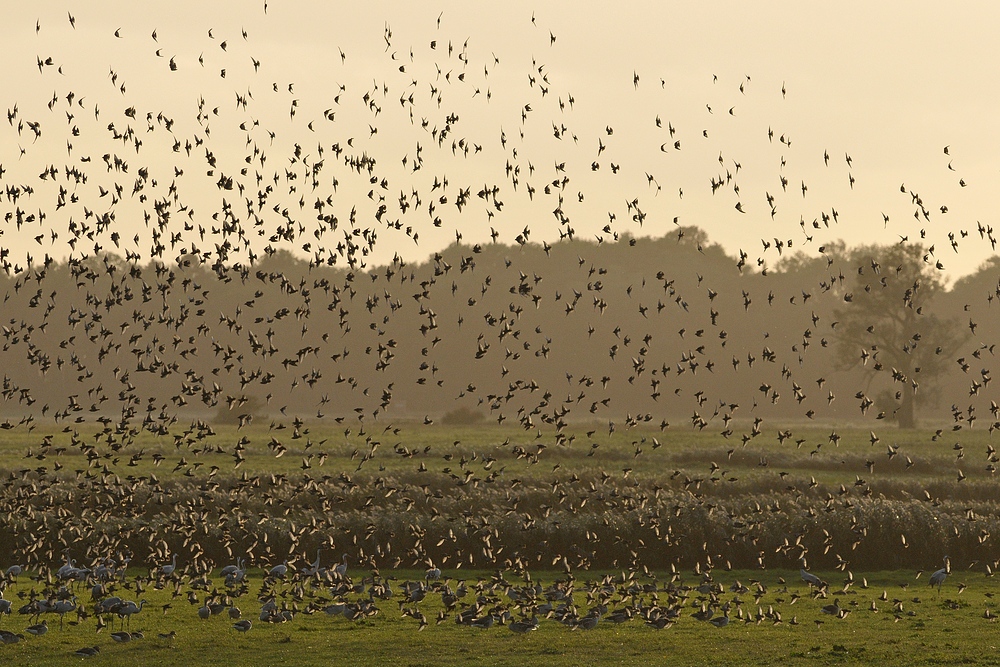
column 906, row 414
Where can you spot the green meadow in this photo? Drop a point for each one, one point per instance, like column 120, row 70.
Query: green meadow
column 663, row 511
column 912, row 625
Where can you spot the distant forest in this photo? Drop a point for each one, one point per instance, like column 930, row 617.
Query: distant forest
column 668, row 330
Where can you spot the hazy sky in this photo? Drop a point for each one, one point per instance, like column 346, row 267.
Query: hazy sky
column 889, row 84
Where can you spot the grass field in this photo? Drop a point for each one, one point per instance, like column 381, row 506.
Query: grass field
column 868, row 517
column 912, row 626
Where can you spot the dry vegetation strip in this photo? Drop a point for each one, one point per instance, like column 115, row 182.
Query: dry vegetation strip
column 483, row 496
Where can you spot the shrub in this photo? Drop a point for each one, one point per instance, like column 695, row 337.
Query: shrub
column 463, row 416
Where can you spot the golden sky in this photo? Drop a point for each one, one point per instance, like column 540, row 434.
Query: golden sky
column 888, row 84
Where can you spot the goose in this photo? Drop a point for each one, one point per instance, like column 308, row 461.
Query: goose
column 720, row 621
column 8, row 637
column 660, row 622
column 523, row 627
column 486, row 622
column 242, row 626
column 38, row 630
column 832, row 609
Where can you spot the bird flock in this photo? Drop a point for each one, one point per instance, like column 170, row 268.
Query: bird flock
column 281, row 593
column 239, row 257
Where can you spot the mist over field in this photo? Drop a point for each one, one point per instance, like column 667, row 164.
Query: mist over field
column 652, row 329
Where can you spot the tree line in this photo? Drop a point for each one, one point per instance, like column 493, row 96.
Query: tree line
column 660, row 330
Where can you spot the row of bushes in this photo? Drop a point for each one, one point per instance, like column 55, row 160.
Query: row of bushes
column 388, row 522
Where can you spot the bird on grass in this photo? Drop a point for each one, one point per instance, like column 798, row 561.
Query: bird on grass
column 485, row 623
column 809, row 577
column 832, row 609
column 62, row 607
column 130, row 609
column 279, row 571
column 937, row 579
column 232, row 569
column 167, row 570
column 720, row 621
column 8, row 637
column 38, row 629
column 523, row 627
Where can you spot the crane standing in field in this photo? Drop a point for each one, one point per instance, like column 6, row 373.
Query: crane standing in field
column 314, row 568
column 62, row 607
column 232, row 569
column 129, row 609
column 279, row 571
column 809, row 577
column 340, row 569
column 13, row 571
column 167, row 570
column 937, row 579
